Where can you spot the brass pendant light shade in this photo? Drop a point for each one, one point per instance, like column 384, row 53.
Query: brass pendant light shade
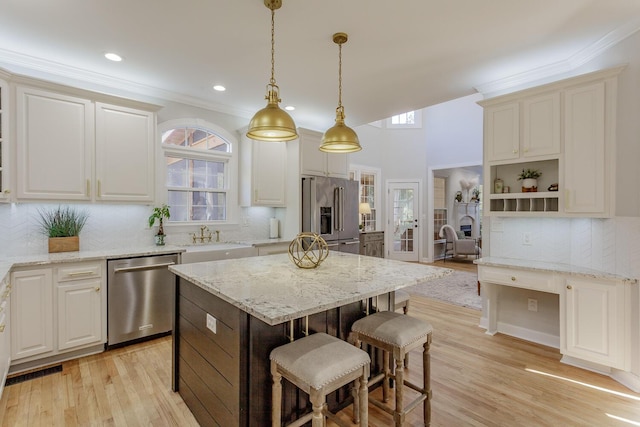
column 340, row 138
column 272, row 123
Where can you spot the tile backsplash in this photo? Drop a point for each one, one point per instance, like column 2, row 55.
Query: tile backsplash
column 115, row 226
column 611, row 245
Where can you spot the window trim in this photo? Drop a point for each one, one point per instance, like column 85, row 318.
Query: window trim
column 231, row 168
column 357, row 170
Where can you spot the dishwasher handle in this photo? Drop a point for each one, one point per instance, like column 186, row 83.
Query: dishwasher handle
column 142, row 267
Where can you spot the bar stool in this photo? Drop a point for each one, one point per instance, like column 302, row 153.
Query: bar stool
column 402, row 302
column 319, row 364
column 397, row 334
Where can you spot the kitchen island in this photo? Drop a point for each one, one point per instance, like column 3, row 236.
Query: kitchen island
column 230, row 314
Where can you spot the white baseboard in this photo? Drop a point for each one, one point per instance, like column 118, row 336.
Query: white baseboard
column 627, row 379
column 524, row 333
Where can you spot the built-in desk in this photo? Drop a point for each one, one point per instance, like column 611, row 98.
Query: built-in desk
column 230, row 314
column 595, row 307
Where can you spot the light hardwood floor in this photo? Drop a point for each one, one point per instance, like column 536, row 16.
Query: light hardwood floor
column 477, row 380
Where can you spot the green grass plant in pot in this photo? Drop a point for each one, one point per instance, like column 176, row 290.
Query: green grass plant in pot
column 63, row 226
column 159, row 214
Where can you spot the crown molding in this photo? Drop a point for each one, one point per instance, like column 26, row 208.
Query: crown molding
column 559, row 68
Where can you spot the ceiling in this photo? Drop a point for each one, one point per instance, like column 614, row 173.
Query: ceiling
column 400, row 55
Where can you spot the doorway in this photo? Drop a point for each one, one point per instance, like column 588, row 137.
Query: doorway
column 403, row 213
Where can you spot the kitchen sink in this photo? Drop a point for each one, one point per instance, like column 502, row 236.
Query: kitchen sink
column 217, row 251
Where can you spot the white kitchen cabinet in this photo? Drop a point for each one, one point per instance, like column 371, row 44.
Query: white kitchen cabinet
column 5, row 332
column 263, row 169
column 596, row 323
column 502, row 131
column 73, row 148
column 540, row 133
column 80, row 299
column 586, row 171
column 5, row 176
column 55, row 135
column 125, row 140
column 566, row 129
column 57, row 309
column 541, row 125
column 32, row 326
column 318, row 163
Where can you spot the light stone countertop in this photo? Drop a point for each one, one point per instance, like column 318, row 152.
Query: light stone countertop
column 272, row 289
column 7, row 263
column 551, row 267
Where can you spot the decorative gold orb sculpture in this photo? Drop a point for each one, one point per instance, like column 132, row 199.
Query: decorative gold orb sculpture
column 308, row 250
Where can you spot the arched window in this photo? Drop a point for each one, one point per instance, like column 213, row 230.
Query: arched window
column 199, row 159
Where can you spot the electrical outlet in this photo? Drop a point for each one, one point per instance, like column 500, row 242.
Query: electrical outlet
column 211, row 323
column 526, row 238
column 532, row 304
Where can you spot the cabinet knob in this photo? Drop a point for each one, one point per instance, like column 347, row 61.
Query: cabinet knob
column 513, row 278
column 7, row 191
column 2, row 328
column 515, row 151
column 569, row 287
column 97, row 288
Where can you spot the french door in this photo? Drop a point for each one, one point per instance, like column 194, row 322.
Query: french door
column 403, row 213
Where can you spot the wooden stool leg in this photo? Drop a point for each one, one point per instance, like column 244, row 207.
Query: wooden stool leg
column 426, row 367
column 399, row 413
column 406, row 356
column 317, row 403
column 276, row 396
column 355, row 392
column 363, row 398
column 385, row 380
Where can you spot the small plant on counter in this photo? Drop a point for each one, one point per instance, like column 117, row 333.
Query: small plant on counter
column 62, row 221
column 159, row 214
column 63, row 226
column 529, row 174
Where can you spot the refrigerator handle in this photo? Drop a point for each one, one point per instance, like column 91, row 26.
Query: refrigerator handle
column 314, row 210
column 335, row 212
column 342, row 208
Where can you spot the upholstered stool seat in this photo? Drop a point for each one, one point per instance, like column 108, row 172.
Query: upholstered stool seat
column 397, row 334
column 401, row 302
column 318, row 365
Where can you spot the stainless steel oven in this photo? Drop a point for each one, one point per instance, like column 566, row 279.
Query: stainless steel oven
column 140, row 295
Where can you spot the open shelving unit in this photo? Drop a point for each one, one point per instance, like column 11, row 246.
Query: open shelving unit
column 546, row 201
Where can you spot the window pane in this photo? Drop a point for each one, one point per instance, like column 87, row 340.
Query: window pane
column 178, row 205
column 177, row 172
column 197, row 139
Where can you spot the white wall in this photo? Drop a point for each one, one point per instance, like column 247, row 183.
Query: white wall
column 451, row 136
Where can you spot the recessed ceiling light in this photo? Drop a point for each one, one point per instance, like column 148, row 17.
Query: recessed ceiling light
column 289, row 108
column 113, row 57
column 219, row 88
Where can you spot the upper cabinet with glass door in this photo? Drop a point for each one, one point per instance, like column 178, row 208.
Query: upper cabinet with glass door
column 5, row 188
column 565, row 131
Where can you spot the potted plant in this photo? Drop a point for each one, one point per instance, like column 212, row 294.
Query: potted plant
column 159, row 214
column 63, row 225
column 529, row 178
column 475, row 195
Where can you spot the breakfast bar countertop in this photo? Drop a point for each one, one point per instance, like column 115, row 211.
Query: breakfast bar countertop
column 272, row 289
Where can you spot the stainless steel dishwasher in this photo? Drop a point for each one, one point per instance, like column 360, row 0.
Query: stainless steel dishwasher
column 140, row 295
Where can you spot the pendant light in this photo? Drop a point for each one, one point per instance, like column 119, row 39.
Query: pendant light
column 272, row 123
column 340, row 138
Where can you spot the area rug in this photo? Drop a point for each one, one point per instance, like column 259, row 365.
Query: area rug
column 460, row 288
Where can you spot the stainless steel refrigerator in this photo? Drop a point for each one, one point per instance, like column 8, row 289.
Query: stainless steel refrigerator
column 330, row 208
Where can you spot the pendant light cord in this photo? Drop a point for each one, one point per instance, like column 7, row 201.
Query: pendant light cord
column 340, row 75
column 273, row 48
